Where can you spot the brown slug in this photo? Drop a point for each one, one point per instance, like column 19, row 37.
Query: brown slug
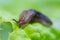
column 34, row 16
column 25, row 17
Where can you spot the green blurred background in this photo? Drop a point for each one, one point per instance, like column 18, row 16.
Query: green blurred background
column 10, row 9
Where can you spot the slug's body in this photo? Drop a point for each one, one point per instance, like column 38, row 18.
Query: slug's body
column 33, row 15
column 39, row 17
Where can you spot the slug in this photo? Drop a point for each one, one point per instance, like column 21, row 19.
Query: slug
column 34, row 16
column 25, row 17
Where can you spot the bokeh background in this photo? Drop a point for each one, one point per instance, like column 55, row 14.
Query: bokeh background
column 10, row 9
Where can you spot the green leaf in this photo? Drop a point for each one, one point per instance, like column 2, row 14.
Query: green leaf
column 33, row 30
column 5, row 29
column 35, row 36
column 18, row 34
